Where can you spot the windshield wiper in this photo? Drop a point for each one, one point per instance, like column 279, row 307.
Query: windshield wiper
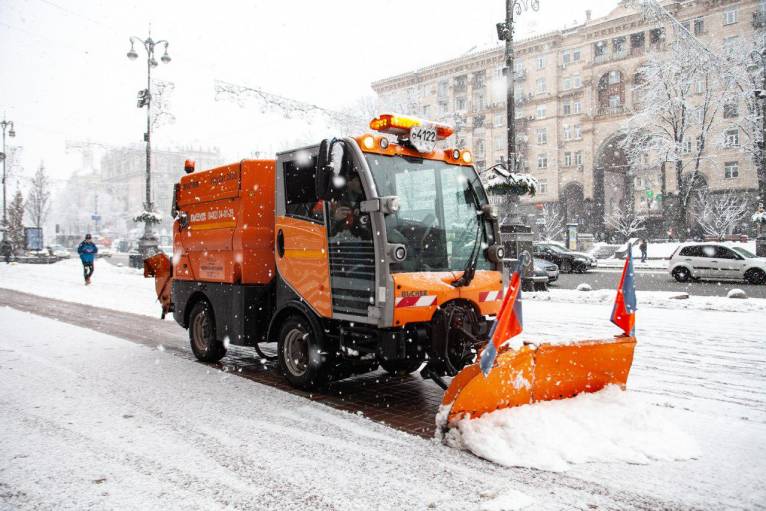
column 470, row 268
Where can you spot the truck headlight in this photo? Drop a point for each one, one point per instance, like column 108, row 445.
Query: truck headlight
column 496, row 253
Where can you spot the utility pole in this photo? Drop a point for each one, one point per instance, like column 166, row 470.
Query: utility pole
column 148, row 244
column 4, row 156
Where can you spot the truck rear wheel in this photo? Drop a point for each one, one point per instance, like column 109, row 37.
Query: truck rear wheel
column 299, row 353
column 204, row 345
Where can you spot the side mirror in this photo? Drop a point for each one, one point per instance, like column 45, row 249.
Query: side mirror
column 329, row 163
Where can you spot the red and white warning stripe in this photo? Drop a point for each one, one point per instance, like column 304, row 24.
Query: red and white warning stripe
column 490, row 296
column 415, row 301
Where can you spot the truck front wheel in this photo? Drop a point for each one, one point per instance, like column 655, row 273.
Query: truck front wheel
column 202, row 334
column 300, row 355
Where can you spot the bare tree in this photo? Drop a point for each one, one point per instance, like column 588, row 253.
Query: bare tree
column 626, row 222
column 38, row 200
column 552, row 224
column 161, row 108
column 719, row 213
column 16, row 221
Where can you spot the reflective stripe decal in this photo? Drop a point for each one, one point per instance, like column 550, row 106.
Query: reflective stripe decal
column 415, row 301
column 490, row 296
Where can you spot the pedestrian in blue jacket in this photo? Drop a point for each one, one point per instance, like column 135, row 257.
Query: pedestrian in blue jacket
column 87, row 251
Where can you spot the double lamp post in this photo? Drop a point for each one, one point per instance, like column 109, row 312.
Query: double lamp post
column 6, row 125
column 148, row 243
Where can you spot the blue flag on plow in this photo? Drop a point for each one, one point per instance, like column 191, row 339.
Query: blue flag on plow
column 625, row 305
column 508, row 323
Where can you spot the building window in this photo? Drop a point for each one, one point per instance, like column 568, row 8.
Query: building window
column 567, row 83
column 732, row 138
column 478, row 146
column 729, row 16
column 699, row 25
column 567, row 159
column 499, row 120
column 500, row 142
column 426, row 111
column 614, row 77
column 731, row 169
column 478, row 102
column 540, row 112
column 730, row 43
column 442, row 107
column 656, row 36
column 614, row 101
column 618, row 44
column 565, row 57
column 687, row 25
column 577, row 81
column 566, row 107
column 576, row 55
column 542, row 161
column 700, row 142
column 567, row 132
column 730, row 111
column 542, row 136
column 542, row 186
column 460, row 83
column 700, row 86
column 599, row 49
column 518, row 66
column 541, row 62
column 686, row 146
column 578, row 158
column 578, row 131
column 577, row 107
column 460, row 104
column 611, row 91
column 540, row 85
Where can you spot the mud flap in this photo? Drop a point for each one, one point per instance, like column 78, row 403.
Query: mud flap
column 539, row 373
column 160, row 267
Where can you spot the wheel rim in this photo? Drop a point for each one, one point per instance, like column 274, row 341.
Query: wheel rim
column 201, row 332
column 682, row 274
column 296, row 351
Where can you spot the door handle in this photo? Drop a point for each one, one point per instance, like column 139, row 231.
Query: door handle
column 281, row 243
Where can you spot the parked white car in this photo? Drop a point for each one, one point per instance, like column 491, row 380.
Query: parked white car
column 697, row 261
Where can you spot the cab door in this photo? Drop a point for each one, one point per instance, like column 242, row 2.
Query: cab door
column 730, row 265
column 301, row 233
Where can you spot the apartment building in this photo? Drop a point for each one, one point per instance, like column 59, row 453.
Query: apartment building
column 574, row 92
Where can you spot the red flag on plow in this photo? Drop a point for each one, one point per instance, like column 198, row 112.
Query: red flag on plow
column 507, row 324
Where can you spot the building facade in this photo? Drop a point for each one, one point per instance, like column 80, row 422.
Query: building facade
column 574, row 92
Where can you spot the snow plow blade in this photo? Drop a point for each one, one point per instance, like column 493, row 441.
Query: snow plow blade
column 160, row 267
column 539, row 373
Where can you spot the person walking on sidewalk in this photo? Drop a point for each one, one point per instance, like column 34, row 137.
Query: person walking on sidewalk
column 6, row 250
column 87, row 251
column 643, row 247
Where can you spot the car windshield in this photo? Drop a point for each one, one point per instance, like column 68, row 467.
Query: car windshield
column 556, row 248
column 744, row 253
column 438, row 219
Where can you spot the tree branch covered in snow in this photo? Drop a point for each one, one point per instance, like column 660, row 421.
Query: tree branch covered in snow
column 552, row 225
column 626, row 222
column 718, row 213
column 150, row 217
column 161, row 108
column 38, row 200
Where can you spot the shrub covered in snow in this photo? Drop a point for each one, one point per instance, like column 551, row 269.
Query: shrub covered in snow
column 759, row 217
column 148, row 217
column 515, row 184
column 584, row 287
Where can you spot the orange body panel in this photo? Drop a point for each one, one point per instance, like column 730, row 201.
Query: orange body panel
column 230, row 232
column 544, row 373
column 305, row 265
column 438, row 284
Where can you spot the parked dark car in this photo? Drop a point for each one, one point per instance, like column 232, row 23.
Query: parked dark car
column 550, row 269
column 568, row 262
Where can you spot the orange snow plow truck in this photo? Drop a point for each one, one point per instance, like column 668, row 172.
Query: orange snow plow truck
column 359, row 253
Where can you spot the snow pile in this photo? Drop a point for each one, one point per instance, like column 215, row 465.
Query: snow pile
column 759, row 217
column 656, row 299
column 508, row 500
column 584, row 286
column 736, row 293
column 607, row 426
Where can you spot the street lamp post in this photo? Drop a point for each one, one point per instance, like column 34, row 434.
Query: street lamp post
column 148, row 244
column 505, row 33
column 11, row 133
column 759, row 64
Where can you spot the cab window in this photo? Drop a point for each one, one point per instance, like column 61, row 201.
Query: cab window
column 300, row 191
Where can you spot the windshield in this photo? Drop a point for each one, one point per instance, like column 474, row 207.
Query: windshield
column 744, row 253
column 439, row 219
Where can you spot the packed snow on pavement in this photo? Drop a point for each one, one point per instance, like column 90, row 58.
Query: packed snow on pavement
column 697, row 377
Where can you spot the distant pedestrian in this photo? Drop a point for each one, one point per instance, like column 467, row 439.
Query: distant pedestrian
column 6, row 250
column 87, row 251
column 643, row 247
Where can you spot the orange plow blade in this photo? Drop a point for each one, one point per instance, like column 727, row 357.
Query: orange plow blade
column 541, row 373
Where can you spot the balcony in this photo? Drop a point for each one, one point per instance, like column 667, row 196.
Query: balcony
column 611, row 111
column 610, row 57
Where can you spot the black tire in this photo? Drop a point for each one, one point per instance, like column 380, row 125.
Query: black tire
column 755, row 276
column 681, row 274
column 400, row 367
column 580, row 268
column 300, row 355
column 566, row 266
column 202, row 338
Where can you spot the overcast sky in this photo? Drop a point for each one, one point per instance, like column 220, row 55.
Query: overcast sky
column 64, row 73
